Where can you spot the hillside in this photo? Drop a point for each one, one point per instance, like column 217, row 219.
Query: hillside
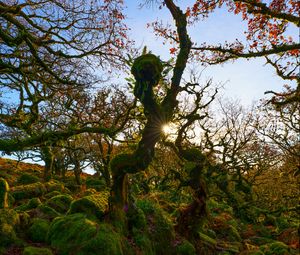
column 58, row 217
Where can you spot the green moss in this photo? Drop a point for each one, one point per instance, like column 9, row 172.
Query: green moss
column 282, row 223
column 36, row 189
column 4, row 188
column 27, row 179
column 93, row 205
column 38, row 230
column 233, row 234
column 143, row 241
column 9, row 216
column 24, row 220
column 252, row 252
column 90, row 191
column 185, row 248
column 275, row 248
column 60, row 203
column 52, row 194
column 8, row 219
column 123, row 163
column 30, row 250
column 159, row 227
column 31, row 204
column 136, row 218
column 78, row 235
column 95, row 183
column 47, row 212
column 54, row 186
column 207, row 240
column 7, row 235
column 107, row 241
column 29, row 191
column 148, row 68
column 11, row 200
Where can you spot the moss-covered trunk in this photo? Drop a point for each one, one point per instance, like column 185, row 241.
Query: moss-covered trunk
column 147, row 71
column 48, row 158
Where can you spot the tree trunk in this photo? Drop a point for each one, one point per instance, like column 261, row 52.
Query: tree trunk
column 48, row 157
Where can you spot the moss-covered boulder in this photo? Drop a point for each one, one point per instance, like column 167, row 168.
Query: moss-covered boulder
column 35, row 189
column 93, row 205
column 28, row 191
column 4, row 188
column 38, row 230
column 52, row 194
column 95, row 183
column 30, row 250
column 27, row 179
column 8, row 219
column 46, row 212
column 31, row 204
column 60, row 203
column 79, row 235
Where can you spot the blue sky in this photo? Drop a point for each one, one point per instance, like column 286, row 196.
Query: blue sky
column 246, row 80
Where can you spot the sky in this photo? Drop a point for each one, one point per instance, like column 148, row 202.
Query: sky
column 245, row 80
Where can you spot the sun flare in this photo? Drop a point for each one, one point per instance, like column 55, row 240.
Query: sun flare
column 168, row 129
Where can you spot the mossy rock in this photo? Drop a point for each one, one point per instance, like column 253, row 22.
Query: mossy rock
column 7, row 235
column 37, row 189
column 25, row 220
column 38, row 230
column 185, row 248
column 31, row 204
column 90, row 191
column 8, row 219
column 28, row 191
column 60, row 203
column 275, row 248
column 9, row 216
column 54, row 186
column 77, row 234
column 93, row 205
column 52, row 194
column 30, row 250
column 27, row 179
column 46, row 212
column 95, row 183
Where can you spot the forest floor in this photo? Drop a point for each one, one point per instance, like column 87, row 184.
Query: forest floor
column 60, row 217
